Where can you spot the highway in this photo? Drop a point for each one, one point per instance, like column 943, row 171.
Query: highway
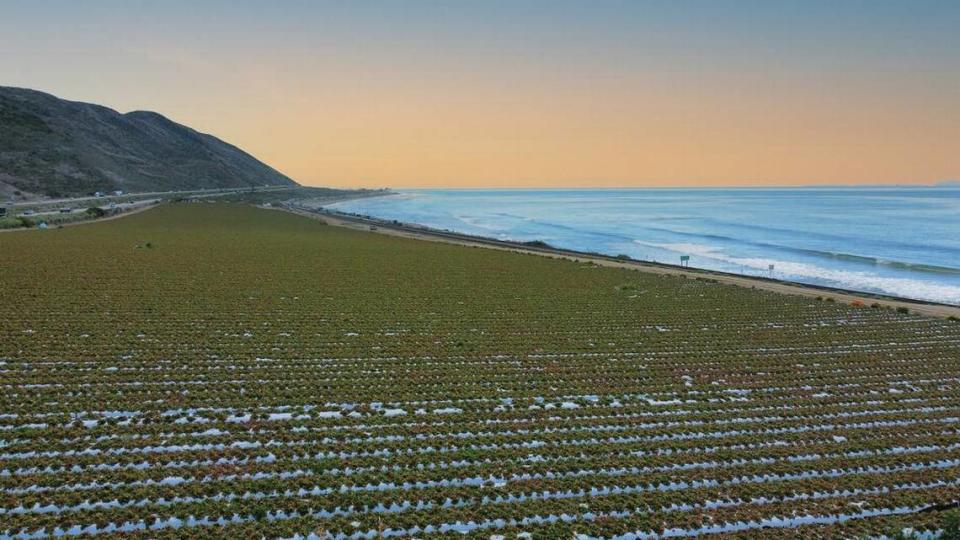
column 80, row 204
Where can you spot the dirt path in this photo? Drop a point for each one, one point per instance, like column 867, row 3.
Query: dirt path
column 849, row 297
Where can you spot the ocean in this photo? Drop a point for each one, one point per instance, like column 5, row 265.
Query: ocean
column 897, row 241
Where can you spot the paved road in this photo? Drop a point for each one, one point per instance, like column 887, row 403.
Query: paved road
column 106, row 198
column 123, row 207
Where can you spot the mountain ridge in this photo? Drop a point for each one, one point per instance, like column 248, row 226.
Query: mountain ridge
column 55, row 147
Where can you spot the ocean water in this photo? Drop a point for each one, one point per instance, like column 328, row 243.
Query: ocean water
column 898, row 241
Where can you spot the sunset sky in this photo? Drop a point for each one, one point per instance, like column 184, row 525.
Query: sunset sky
column 520, row 93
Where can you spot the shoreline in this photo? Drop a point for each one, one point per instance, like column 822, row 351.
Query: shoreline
column 848, row 296
column 418, row 232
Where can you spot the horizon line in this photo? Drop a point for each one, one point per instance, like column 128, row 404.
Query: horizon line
column 947, row 184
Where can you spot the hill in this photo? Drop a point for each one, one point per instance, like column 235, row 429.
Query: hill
column 50, row 146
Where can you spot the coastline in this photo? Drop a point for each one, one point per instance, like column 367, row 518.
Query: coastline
column 900, row 243
column 317, row 211
column 418, row 232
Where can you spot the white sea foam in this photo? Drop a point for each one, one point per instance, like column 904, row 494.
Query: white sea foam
column 847, row 279
column 487, row 223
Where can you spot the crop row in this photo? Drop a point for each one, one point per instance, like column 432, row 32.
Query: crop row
column 255, row 374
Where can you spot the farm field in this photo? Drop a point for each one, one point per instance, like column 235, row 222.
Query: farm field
column 215, row 370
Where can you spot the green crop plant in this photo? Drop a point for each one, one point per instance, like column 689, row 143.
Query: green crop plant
column 258, row 374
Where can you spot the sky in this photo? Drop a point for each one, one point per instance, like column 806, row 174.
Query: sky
column 518, row 93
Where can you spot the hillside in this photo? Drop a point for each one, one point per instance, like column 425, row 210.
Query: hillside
column 50, row 146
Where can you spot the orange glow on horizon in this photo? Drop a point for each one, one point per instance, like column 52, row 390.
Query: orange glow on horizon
column 610, row 139
column 525, row 94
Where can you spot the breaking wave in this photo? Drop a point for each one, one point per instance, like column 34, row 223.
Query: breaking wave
column 799, row 271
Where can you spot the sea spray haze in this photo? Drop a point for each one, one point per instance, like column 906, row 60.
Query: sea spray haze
column 897, row 241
